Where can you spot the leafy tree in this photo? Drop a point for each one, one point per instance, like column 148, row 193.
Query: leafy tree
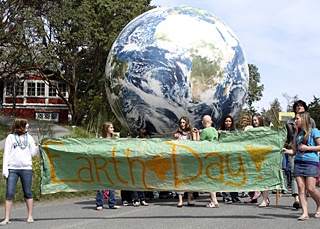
column 314, row 110
column 290, row 101
column 255, row 88
column 65, row 39
column 272, row 115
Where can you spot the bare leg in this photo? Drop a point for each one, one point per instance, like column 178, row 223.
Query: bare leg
column 313, row 191
column 265, row 195
column 302, row 196
column 189, row 197
column 7, row 208
column 180, row 199
column 29, row 203
column 213, row 199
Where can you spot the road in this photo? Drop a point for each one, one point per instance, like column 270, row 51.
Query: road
column 162, row 213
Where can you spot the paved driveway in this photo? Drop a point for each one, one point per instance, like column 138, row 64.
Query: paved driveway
column 56, row 130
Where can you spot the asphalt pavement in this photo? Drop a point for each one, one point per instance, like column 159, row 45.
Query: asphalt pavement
column 162, row 213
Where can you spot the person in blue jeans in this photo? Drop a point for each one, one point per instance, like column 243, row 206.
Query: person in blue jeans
column 19, row 149
column 139, row 198
column 227, row 126
column 112, row 201
column 107, row 132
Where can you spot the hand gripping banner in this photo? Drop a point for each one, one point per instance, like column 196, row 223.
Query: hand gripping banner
column 239, row 161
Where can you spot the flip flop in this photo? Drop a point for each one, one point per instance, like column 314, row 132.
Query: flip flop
column 3, row 223
column 301, row 218
column 30, row 220
column 317, row 215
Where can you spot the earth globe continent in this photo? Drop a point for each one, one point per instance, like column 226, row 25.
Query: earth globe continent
column 171, row 62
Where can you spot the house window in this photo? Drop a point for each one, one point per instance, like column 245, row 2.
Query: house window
column 52, row 91
column 40, row 89
column 31, row 90
column 10, row 88
column 48, row 116
column 63, row 89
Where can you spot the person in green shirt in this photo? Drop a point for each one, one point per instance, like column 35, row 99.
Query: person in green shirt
column 209, row 133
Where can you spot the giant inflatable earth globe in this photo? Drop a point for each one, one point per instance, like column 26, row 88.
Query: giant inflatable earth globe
column 171, row 62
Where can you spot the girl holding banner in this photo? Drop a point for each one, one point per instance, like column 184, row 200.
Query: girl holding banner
column 185, row 132
column 229, row 125
column 306, row 162
column 107, row 132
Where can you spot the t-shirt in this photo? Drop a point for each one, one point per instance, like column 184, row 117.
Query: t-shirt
column 307, row 155
column 209, row 133
column 184, row 136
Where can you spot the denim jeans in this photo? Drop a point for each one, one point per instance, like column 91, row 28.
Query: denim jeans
column 136, row 196
column 232, row 194
column 26, row 181
column 111, row 198
column 294, row 185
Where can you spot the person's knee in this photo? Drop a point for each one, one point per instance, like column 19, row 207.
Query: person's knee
column 9, row 196
column 28, row 194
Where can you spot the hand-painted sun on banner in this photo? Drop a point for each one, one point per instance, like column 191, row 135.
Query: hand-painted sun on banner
column 239, row 161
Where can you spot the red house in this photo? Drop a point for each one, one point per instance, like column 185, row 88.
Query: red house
column 35, row 100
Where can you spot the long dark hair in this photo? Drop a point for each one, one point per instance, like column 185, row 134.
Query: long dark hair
column 19, row 126
column 105, row 128
column 223, row 125
column 187, row 127
column 260, row 119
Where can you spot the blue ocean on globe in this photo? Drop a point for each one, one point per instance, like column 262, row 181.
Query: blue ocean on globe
column 171, row 62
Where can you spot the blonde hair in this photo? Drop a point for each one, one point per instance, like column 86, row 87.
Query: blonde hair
column 305, row 125
column 246, row 120
column 206, row 120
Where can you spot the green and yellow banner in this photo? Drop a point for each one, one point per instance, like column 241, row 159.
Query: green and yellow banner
column 239, row 161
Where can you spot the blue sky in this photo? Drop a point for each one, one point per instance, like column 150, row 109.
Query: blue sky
column 282, row 38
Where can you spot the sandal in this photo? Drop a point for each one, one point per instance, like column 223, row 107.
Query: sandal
column 3, row 223
column 30, row 220
column 144, row 203
column 136, row 204
column 210, row 205
column 317, row 215
column 303, row 218
column 263, row 205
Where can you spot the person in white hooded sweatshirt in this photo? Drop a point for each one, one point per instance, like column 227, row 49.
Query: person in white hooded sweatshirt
column 19, row 149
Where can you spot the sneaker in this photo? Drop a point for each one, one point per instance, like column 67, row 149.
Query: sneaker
column 227, row 200
column 236, row 200
column 244, row 195
column 125, row 203
column 296, row 205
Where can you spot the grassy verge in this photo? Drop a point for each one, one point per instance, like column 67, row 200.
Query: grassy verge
column 76, row 132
